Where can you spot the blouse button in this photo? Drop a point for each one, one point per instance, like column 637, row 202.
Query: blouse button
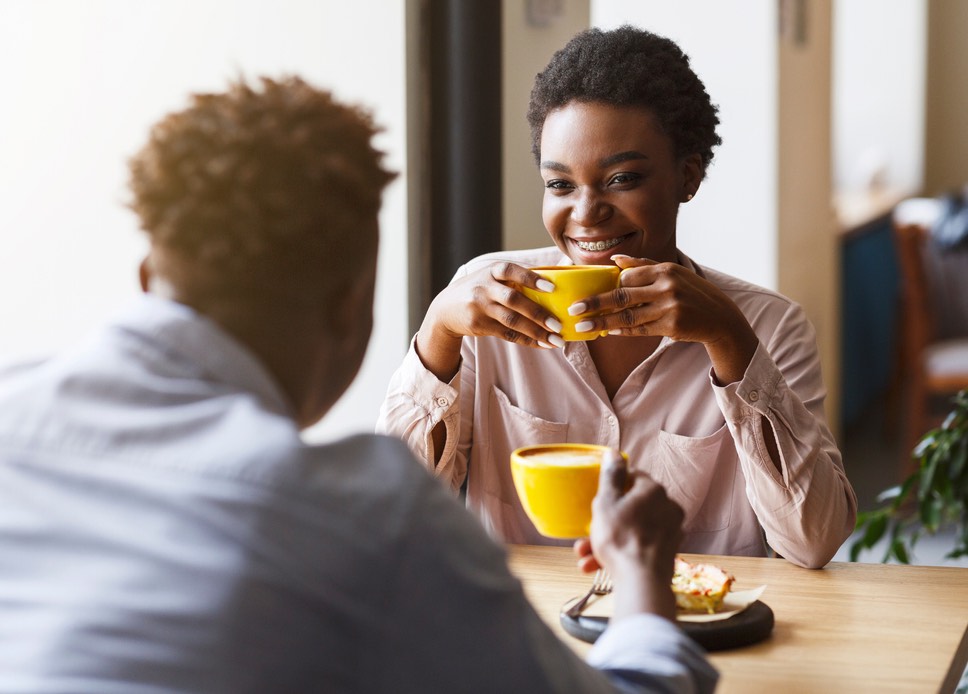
column 611, row 420
column 442, row 402
column 754, row 396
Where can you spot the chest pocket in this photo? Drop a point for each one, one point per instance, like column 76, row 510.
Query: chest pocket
column 509, row 427
column 698, row 473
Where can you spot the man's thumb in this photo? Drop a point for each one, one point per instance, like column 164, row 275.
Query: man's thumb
column 614, row 475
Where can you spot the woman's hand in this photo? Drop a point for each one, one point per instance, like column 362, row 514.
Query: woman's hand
column 667, row 299
column 485, row 303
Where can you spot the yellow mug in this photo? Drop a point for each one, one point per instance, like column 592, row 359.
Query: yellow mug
column 573, row 283
column 556, row 483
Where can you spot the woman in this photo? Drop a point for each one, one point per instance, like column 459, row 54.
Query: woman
column 710, row 384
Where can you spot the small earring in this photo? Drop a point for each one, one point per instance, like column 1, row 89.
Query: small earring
column 689, row 197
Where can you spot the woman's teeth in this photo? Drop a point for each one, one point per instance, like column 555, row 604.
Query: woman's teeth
column 598, row 245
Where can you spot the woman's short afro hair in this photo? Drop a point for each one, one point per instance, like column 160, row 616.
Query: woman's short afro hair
column 629, row 67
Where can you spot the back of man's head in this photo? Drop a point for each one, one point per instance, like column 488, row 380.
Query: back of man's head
column 269, row 190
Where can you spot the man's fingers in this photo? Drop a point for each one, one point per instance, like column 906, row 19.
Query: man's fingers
column 588, row 564
column 613, row 478
column 582, row 547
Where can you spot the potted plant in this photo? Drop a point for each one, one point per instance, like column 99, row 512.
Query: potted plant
column 935, row 495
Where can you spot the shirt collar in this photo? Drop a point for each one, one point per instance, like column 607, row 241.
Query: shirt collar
column 187, row 336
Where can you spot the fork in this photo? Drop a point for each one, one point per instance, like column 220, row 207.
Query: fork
column 601, row 585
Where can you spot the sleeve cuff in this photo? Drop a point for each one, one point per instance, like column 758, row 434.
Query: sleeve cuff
column 426, row 389
column 754, row 394
column 656, row 647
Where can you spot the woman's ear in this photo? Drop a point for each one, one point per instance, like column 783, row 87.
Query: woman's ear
column 692, row 175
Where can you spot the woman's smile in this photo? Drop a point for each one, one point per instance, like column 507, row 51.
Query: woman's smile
column 597, row 250
column 612, row 183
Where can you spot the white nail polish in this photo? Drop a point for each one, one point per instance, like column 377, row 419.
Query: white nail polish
column 577, row 308
column 584, row 326
column 545, row 286
column 553, row 324
column 557, row 340
column 615, row 332
column 544, row 345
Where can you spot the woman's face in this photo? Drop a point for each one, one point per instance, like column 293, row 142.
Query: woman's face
column 612, row 183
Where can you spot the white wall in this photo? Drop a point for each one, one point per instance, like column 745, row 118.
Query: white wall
column 83, row 81
column 529, row 44
column 879, row 72
column 731, row 224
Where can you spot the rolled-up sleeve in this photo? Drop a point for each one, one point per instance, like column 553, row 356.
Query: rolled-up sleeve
column 807, row 507
column 415, row 403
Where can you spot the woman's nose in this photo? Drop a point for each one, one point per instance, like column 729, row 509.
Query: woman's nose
column 590, row 209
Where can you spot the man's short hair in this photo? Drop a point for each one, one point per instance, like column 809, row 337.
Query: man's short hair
column 629, row 67
column 265, row 184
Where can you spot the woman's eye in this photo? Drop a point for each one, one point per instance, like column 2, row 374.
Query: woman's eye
column 624, row 178
column 557, row 184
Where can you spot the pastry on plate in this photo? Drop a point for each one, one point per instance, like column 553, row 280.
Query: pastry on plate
column 699, row 587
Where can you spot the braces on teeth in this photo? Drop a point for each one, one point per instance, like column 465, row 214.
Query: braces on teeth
column 598, row 245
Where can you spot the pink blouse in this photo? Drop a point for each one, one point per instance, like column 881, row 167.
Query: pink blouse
column 703, row 442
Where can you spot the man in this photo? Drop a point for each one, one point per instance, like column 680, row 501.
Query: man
column 163, row 528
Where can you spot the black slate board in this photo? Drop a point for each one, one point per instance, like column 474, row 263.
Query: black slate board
column 752, row 625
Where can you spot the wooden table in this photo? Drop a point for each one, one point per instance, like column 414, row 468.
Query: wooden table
column 845, row 628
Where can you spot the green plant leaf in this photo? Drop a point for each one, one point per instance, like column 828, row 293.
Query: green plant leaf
column 906, row 488
column 887, row 495
column 958, row 459
column 931, row 510
column 900, row 551
column 926, row 484
column 923, row 446
column 939, row 485
column 875, row 530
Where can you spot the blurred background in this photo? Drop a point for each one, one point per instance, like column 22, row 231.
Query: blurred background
column 833, row 112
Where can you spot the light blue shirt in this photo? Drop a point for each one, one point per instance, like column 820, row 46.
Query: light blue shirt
column 163, row 528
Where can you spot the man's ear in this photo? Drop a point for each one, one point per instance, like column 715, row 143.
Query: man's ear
column 144, row 273
column 356, row 301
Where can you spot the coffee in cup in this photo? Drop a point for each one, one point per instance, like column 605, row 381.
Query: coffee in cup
column 573, row 283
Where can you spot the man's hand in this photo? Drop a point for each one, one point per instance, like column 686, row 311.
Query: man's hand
column 635, row 534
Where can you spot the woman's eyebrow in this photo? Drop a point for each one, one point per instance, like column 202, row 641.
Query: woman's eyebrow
column 610, row 160
column 620, row 157
column 554, row 166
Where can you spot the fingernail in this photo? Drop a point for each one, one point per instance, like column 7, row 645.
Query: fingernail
column 553, row 324
column 584, row 326
column 577, row 308
column 557, row 340
column 545, row 286
column 615, row 332
column 544, row 345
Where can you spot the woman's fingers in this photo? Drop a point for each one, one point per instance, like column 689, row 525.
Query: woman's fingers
column 490, row 303
column 512, row 273
column 659, row 299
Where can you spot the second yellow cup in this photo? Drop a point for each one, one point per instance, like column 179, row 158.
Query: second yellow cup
column 556, row 484
column 573, row 283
